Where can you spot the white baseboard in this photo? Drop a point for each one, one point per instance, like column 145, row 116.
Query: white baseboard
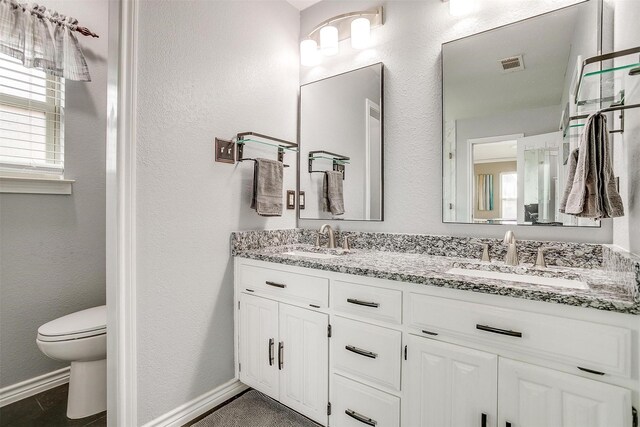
column 198, row 406
column 36, row 385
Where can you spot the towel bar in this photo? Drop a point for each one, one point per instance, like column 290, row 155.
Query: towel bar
column 338, row 161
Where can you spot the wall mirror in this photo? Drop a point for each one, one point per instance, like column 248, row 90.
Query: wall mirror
column 341, row 123
column 506, row 94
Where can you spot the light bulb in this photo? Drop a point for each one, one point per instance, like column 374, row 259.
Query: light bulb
column 309, row 55
column 329, row 40
column 360, row 33
column 461, row 7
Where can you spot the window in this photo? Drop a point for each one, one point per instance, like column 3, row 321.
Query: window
column 509, row 195
column 31, row 121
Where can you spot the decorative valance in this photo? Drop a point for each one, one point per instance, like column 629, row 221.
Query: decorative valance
column 43, row 39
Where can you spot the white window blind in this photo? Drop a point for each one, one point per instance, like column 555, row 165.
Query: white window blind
column 31, row 119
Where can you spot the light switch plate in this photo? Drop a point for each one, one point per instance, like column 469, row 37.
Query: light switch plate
column 225, row 151
column 291, row 199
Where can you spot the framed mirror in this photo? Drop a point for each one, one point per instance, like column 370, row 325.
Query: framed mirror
column 341, row 146
column 506, row 95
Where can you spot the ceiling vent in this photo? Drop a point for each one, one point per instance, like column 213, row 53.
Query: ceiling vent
column 511, row 64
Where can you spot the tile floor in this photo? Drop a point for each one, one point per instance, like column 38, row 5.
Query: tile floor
column 47, row 409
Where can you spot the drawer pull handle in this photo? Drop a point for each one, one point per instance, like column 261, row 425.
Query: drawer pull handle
column 280, row 355
column 365, row 303
column 361, row 352
column 429, row 332
column 591, row 371
column 356, row 416
column 484, row 420
column 508, row 424
column 270, row 351
column 499, row 331
column 276, row 285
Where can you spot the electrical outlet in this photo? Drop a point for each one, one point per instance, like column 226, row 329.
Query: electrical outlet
column 225, row 151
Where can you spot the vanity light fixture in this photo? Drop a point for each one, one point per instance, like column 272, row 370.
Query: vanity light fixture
column 329, row 33
column 309, row 55
column 360, row 33
column 329, row 40
column 461, row 7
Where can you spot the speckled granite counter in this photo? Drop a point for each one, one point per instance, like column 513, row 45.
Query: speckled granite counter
column 612, row 292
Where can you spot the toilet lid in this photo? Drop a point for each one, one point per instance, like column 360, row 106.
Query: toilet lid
column 80, row 324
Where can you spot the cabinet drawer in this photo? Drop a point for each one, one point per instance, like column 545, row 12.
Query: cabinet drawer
column 356, row 405
column 577, row 343
column 367, row 301
column 368, row 352
column 283, row 285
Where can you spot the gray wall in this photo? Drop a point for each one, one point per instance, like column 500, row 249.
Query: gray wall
column 409, row 45
column 52, row 256
column 240, row 73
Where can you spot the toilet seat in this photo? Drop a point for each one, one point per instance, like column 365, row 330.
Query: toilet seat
column 82, row 324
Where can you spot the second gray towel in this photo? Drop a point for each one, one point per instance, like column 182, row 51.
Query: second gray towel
column 267, row 187
column 332, row 194
column 593, row 192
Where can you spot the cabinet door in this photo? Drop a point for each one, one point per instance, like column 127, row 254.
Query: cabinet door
column 449, row 386
column 259, row 344
column 532, row 396
column 304, row 377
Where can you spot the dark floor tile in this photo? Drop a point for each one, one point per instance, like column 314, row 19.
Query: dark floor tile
column 56, row 416
column 47, row 409
column 54, row 397
column 100, row 422
column 18, row 410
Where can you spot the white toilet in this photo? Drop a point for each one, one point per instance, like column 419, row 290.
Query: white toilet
column 80, row 338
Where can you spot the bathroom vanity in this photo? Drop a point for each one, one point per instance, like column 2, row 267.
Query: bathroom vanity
column 384, row 338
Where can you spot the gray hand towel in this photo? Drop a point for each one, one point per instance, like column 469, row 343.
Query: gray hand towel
column 267, row 187
column 573, row 162
column 332, row 194
column 593, row 192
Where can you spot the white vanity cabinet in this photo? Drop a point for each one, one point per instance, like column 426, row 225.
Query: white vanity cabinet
column 284, row 354
column 354, row 351
column 449, row 385
column 531, row 395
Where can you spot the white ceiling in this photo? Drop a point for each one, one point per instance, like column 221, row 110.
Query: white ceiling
column 302, row 4
column 475, row 84
column 502, row 151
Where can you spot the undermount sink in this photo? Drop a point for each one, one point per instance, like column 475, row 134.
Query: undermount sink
column 316, row 255
column 521, row 278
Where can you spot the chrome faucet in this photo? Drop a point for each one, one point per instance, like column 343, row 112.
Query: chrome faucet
column 512, row 249
column 331, row 243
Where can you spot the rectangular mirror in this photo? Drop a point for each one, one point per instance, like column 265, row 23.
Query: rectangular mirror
column 341, row 122
column 506, row 95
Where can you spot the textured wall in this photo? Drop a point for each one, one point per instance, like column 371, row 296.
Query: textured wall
column 409, row 44
column 52, row 256
column 206, row 69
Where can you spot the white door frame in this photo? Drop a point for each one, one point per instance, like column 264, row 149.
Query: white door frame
column 471, row 142
column 121, row 214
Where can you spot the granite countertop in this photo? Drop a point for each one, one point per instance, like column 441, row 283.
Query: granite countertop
column 604, row 293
